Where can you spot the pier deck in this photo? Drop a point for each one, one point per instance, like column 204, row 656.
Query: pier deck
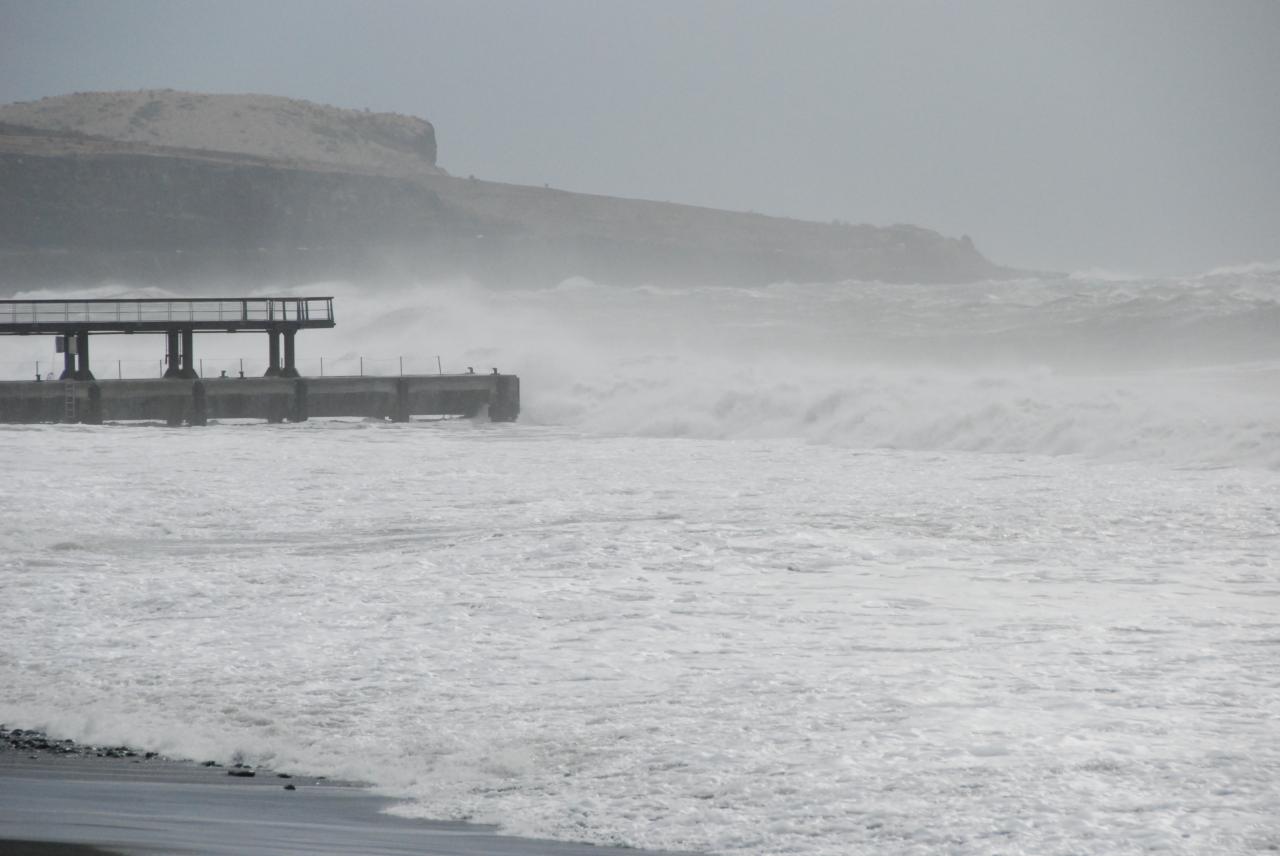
column 274, row 399
column 183, row 397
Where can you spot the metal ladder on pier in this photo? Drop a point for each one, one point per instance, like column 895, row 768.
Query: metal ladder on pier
column 69, row 402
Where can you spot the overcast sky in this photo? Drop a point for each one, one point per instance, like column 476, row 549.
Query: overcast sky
column 1134, row 136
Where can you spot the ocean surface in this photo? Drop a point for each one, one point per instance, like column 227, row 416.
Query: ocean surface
column 800, row 569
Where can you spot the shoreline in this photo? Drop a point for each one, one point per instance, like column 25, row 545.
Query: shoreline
column 60, row 798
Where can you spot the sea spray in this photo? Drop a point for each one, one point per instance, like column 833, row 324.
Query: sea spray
column 1181, row 370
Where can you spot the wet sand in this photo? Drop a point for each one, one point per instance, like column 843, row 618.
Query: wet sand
column 78, row 804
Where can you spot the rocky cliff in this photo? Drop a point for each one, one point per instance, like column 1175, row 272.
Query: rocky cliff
column 286, row 130
column 88, row 198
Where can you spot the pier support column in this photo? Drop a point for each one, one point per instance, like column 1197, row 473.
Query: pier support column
column 290, row 365
column 188, row 355
column 82, row 356
column 173, row 369
column 273, row 354
column 68, row 359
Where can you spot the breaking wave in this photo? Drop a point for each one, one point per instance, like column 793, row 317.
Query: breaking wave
column 1176, row 369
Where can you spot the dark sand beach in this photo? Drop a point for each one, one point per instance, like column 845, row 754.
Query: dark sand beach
column 58, row 799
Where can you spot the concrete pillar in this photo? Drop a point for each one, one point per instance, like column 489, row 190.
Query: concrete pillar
column 68, row 359
column 82, row 356
column 173, row 370
column 290, row 364
column 273, row 354
column 188, row 355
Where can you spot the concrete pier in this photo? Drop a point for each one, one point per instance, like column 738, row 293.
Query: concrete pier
column 182, row 397
column 179, row 401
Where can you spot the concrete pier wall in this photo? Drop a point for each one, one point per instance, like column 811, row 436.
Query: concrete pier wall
column 274, row 399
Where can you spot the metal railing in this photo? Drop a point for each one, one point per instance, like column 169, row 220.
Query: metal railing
column 109, row 366
column 162, row 310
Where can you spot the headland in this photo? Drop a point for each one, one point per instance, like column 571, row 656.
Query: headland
column 170, row 188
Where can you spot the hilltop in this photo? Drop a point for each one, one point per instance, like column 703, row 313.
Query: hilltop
column 287, row 130
column 178, row 187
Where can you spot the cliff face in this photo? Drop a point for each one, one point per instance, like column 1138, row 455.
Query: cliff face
column 77, row 208
column 265, row 126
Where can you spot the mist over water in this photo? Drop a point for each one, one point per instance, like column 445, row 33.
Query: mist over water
column 1099, row 364
column 1184, row 370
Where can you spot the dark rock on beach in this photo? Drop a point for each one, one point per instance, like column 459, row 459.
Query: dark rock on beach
column 60, row 805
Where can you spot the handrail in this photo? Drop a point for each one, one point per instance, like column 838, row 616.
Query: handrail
column 165, row 310
column 156, row 299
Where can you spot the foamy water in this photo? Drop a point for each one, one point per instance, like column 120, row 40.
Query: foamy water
column 800, row 569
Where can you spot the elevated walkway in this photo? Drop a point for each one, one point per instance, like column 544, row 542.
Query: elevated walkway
column 74, row 321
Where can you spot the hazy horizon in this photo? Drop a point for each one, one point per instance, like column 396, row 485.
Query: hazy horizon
column 1137, row 137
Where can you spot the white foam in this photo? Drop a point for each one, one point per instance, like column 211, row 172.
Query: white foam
column 748, row 646
column 798, row 569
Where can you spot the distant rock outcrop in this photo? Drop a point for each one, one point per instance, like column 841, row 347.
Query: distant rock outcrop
column 189, row 191
column 265, row 126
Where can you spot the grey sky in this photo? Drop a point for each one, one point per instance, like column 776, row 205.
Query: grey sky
column 1140, row 136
